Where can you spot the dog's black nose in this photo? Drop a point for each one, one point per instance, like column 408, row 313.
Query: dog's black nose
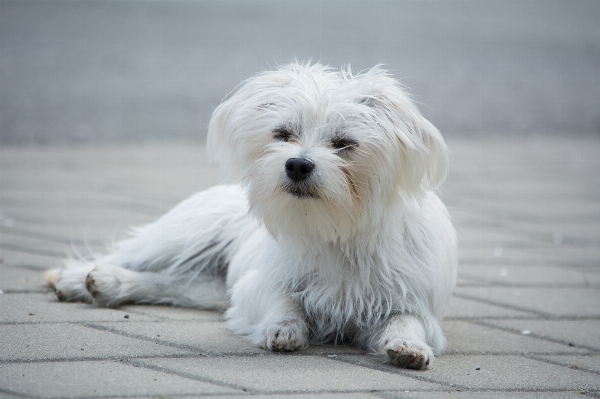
column 298, row 169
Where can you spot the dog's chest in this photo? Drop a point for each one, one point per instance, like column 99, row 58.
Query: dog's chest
column 344, row 297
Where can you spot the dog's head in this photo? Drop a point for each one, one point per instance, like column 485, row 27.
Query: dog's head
column 323, row 153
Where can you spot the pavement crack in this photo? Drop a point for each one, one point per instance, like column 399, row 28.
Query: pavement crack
column 144, row 338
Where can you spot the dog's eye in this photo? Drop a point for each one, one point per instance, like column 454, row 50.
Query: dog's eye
column 343, row 144
column 282, row 134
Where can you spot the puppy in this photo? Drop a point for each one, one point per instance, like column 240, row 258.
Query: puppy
column 330, row 231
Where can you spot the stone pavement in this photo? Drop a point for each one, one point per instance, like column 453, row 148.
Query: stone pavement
column 524, row 321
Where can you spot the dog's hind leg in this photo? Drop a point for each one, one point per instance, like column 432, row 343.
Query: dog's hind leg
column 112, row 285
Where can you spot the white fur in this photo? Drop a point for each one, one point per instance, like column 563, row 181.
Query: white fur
column 360, row 251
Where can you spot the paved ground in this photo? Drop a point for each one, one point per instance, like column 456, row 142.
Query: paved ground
column 100, row 70
column 524, row 321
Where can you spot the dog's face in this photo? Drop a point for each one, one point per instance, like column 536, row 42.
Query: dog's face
column 324, row 154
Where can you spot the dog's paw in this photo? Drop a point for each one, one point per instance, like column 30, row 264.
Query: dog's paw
column 408, row 354
column 286, row 336
column 69, row 284
column 108, row 285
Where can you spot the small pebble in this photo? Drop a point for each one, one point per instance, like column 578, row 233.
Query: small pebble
column 126, row 316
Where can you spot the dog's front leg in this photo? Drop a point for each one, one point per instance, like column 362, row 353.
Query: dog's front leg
column 269, row 316
column 403, row 340
column 286, row 335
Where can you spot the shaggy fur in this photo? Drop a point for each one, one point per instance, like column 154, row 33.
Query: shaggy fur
column 330, row 231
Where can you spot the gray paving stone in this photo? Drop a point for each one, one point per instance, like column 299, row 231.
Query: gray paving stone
column 41, row 342
column 470, row 237
column 491, row 196
column 463, row 282
column 206, row 337
column 288, row 373
column 579, row 332
column 18, row 279
column 181, row 167
column 107, row 219
column 173, row 313
column 87, row 207
column 469, row 308
column 527, row 209
column 74, row 234
column 35, row 308
column 507, row 372
column 59, row 249
column 462, row 394
column 493, row 219
column 17, row 256
column 591, row 362
column 574, row 254
column 14, row 241
column 333, row 351
column 536, row 206
column 578, row 239
column 97, row 379
column 572, row 231
column 556, row 302
column 532, row 275
column 466, row 337
column 319, row 395
column 210, row 337
column 492, row 255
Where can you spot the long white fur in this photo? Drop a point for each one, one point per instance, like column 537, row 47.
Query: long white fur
column 369, row 257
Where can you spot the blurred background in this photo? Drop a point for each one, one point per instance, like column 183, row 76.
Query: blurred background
column 98, row 70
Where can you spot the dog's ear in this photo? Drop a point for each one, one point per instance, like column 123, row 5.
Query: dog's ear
column 240, row 126
column 231, row 139
column 221, row 145
column 422, row 152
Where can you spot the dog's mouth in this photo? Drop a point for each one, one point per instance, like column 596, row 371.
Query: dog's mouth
column 302, row 191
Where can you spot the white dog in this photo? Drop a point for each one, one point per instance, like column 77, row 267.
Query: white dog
column 331, row 233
